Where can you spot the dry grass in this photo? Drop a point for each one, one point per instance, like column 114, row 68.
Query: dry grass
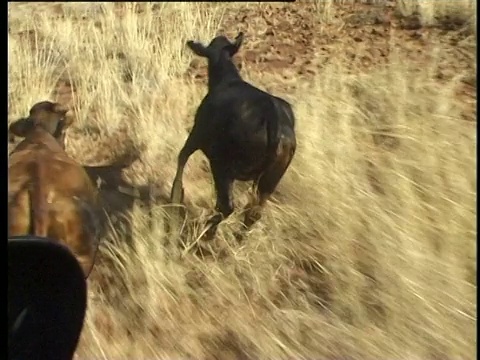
column 448, row 14
column 367, row 249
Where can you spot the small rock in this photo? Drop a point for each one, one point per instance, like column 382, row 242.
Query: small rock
column 416, row 35
column 269, row 32
column 440, row 75
column 250, row 56
column 284, row 25
column 195, row 63
column 412, row 22
column 375, row 52
column 378, row 20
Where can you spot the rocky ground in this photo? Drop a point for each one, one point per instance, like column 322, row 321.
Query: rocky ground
column 292, row 41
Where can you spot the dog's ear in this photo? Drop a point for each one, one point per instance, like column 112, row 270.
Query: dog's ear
column 60, row 109
column 68, row 119
column 20, row 128
column 65, row 116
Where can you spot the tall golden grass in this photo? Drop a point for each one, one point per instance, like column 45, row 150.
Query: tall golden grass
column 368, row 247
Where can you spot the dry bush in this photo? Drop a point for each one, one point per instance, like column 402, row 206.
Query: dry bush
column 444, row 14
column 430, row 10
column 326, row 10
column 367, row 249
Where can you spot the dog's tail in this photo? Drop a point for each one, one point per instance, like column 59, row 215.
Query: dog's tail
column 38, row 195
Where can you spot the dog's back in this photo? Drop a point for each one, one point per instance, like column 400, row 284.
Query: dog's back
column 51, row 195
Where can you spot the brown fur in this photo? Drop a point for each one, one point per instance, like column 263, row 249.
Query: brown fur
column 50, row 194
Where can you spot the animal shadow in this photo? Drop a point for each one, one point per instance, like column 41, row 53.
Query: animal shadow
column 118, row 197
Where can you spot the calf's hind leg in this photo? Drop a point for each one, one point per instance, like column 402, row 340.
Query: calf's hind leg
column 223, row 187
column 267, row 183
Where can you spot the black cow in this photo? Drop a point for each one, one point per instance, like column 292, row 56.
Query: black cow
column 246, row 133
column 47, row 299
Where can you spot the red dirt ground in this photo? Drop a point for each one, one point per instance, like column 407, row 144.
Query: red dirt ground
column 290, row 39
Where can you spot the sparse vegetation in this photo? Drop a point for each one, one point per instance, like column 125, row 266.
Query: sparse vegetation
column 366, row 251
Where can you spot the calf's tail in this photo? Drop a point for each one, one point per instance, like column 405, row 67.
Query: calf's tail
column 273, row 132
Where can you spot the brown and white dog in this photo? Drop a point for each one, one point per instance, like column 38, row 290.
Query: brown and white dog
column 49, row 194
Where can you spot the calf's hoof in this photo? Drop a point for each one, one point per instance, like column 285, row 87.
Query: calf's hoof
column 251, row 217
column 212, row 223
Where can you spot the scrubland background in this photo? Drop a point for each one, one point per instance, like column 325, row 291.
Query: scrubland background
column 367, row 249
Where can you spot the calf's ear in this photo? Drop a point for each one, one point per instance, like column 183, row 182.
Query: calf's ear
column 236, row 44
column 198, row 48
column 20, row 127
